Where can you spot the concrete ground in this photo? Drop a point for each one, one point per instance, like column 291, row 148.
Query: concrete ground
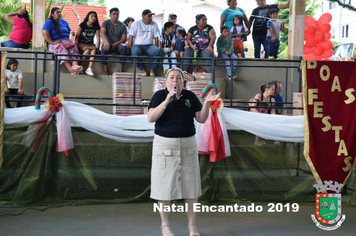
column 139, row 219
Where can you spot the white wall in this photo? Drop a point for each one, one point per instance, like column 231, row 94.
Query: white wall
column 342, row 17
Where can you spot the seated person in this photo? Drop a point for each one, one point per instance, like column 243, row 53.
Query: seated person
column 142, row 34
column 85, row 38
column 128, row 22
column 21, row 34
column 226, row 51
column 113, row 33
column 173, row 18
column 201, row 39
column 167, row 44
column 263, row 103
column 56, row 32
column 279, row 98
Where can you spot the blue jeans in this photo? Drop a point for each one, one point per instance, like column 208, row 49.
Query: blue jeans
column 272, row 47
column 257, row 41
column 189, row 52
column 171, row 55
column 120, row 49
column 227, row 63
column 150, row 50
column 12, row 44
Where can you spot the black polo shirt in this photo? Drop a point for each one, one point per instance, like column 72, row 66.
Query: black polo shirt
column 178, row 118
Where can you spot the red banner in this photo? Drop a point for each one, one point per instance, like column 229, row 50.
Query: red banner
column 330, row 118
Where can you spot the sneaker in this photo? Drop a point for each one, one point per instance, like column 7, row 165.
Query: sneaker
column 271, row 57
column 74, row 73
column 152, row 73
column 235, row 77
column 89, row 71
column 77, row 68
column 228, row 77
column 143, row 73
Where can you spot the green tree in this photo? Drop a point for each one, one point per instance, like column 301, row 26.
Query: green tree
column 283, row 15
column 81, row 2
column 344, row 4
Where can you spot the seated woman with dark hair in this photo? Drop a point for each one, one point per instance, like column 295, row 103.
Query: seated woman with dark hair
column 128, row 22
column 263, row 102
column 85, row 38
column 201, row 38
column 21, row 34
column 56, row 32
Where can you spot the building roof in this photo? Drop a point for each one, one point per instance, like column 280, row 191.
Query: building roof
column 82, row 11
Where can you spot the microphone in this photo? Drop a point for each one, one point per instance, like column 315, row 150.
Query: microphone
column 175, row 86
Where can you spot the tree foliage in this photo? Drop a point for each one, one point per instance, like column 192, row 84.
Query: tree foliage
column 283, row 15
column 344, row 4
column 81, row 2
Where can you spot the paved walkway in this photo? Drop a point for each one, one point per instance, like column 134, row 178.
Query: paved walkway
column 139, row 219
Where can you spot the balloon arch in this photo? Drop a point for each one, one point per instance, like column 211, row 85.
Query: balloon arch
column 317, row 44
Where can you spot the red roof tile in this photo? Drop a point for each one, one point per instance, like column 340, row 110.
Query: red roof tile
column 82, row 11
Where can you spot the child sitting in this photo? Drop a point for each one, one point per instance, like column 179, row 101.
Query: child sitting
column 167, row 43
column 225, row 50
column 274, row 27
column 238, row 34
column 181, row 43
column 13, row 83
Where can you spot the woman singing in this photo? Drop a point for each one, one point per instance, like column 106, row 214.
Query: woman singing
column 175, row 170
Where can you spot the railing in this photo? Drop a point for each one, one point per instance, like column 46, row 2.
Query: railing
column 36, row 59
column 215, row 62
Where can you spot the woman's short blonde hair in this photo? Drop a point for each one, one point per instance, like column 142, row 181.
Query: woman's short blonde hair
column 175, row 69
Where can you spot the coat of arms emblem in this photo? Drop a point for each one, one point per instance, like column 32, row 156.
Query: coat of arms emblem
column 328, row 206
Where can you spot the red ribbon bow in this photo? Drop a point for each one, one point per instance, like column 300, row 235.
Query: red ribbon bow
column 215, row 105
column 54, row 104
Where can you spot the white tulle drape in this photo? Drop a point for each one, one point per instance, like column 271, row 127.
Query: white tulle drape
column 138, row 129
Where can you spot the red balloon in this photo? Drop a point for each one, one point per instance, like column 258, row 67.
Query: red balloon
column 328, row 35
column 307, row 50
column 309, row 20
column 310, row 43
column 320, row 36
column 327, row 53
column 309, row 56
column 318, row 50
column 326, row 44
column 324, row 18
column 324, row 27
column 307, row 36
column 311, row 29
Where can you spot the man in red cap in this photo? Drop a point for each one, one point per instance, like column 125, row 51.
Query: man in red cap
column 142, row 34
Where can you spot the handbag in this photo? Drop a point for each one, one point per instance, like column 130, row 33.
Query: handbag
column 68, row 44
column 85, row 46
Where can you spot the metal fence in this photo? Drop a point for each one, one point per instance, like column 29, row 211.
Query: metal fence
column 39, row 57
